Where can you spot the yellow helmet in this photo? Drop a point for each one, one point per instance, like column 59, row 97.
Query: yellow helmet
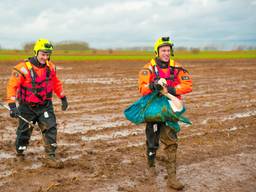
column 43, row 45
column 163, row 41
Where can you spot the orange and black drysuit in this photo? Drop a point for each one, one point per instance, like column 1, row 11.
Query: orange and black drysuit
column 179, row 82
column 178, row 79
column 32, row 84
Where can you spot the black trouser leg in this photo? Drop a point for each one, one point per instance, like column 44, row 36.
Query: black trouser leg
column 47, row 123
column 49, row 137
column 152, row 141
column 23, row 132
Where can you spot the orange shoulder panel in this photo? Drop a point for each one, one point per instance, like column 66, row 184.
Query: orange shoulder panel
column 18, row 75
column 185, row 80
column 145, row 77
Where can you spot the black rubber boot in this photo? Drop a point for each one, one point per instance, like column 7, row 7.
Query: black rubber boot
column 151, row 158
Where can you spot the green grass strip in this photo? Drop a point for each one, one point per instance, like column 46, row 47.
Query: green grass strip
column 135, row 55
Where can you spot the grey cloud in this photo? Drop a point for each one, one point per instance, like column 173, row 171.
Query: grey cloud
column 116, row 23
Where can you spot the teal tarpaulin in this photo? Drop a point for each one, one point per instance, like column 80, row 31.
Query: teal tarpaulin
column 155, row 108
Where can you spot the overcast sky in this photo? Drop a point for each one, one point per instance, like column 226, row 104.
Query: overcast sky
column 129, row 23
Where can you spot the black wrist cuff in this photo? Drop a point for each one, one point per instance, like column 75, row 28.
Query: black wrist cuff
column 171, row 90
column 12, row 105
column 151, row 86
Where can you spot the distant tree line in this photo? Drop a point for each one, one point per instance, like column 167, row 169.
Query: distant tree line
column 240, row 47
column 63, row 45
column 82, row 45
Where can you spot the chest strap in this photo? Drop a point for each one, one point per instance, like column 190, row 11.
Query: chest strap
column 33, row 77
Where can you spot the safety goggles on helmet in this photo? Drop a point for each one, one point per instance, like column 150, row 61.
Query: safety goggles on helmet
column 48, row 45
column 165, row 38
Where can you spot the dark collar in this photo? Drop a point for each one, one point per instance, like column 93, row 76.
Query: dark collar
column 35, row 62
column 162, row 64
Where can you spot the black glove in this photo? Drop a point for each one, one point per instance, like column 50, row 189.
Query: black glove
column 154, row 86
column 64, row 103
column 14, row 112
column 171, row 90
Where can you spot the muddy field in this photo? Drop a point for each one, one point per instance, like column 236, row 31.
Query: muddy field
column 102, row 151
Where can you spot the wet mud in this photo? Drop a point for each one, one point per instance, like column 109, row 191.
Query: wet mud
column 102, row 151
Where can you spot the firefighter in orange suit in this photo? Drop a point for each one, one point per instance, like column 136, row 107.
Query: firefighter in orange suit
column 32, row 84
column 178, row 83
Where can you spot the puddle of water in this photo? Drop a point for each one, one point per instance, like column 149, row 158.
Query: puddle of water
column 233, row 128
column 35, row 149
column 215, row 131
column 136, row 144
column 108, row 81
column 4, row 155
column 40, row 149
column 86, row 126
column 114, row 135
column 35, row 165
column 72, row 157
column 204, row 122
column 125, row 133
column 231, row 117
column 100, row 117
column 212, row 104
column 239, row 115
column 75, row 129
column 61, row 143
